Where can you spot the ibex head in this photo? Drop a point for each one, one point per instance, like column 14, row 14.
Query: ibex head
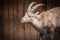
column 30, row 15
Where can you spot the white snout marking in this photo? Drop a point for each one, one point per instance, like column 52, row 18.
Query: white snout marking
column 22, row 20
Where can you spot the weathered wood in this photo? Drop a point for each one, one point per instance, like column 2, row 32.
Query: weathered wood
column 13, row 10
column 1, row 20
column 5, row 23
column 21, row 31
column 15, row 20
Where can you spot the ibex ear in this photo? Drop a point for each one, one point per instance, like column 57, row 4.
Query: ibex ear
column 37, row 13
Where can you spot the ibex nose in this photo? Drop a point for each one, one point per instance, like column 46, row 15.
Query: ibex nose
column 21, row 19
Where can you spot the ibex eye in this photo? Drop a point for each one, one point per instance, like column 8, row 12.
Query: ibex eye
column 29, row 16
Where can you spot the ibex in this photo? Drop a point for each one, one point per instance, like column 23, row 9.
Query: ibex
column 46, row 19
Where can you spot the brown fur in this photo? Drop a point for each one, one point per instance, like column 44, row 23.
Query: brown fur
column 48, row 17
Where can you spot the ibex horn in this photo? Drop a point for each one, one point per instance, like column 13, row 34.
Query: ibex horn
column 37, row 6
column 29, row 7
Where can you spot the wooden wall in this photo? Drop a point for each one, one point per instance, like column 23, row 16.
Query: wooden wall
column 11, row 12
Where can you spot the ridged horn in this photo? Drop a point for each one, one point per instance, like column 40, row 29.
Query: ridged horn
column 37, row 6
column 29, row 7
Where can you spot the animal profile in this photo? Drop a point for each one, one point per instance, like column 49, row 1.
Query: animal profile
column 46, row 19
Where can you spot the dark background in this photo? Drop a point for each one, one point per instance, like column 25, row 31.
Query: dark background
column 11, row 12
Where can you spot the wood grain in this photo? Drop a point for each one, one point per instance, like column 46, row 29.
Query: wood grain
column 13, row 11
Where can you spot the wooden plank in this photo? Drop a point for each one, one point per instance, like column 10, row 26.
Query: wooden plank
column 10, row 14
column 5, row 16
column 51, row 4
column 15, row 20
column 21, row 30
column 1, row 20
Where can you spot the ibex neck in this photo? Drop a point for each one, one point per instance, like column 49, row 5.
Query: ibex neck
column 37, row 24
